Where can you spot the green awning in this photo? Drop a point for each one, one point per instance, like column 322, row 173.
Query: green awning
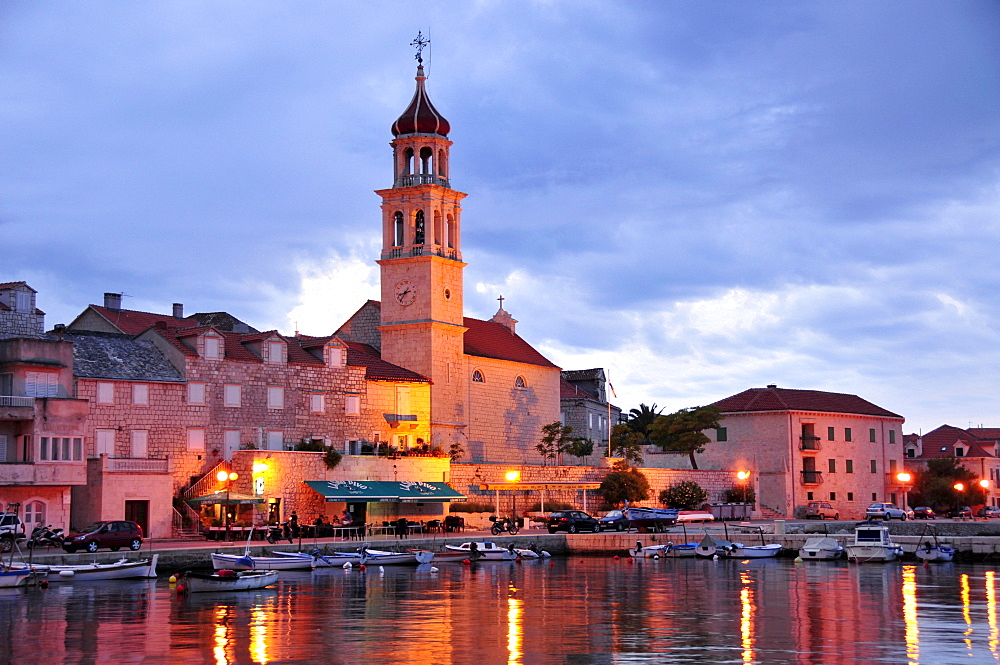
column 224, row 497
column 349, row 491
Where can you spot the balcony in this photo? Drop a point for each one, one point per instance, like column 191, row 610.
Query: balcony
column 137, row 465
column 396, row 419
column 15, row 407
column 812, row 477
column 422, row 250
column 413, row 179
column 809, row 444
column 51, row 474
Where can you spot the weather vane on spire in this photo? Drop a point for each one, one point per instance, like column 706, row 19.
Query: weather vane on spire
column 420, row 43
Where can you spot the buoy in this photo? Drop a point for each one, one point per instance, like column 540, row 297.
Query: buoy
column 44, row 584
column 630, row 560
column 434, row 569
column 551, row 563
column 616, row 557
column 181, row 589
column 66, row 573
column 381, row 569
column 656, row 556
column 362, row 566
column 347, row 565
column 715, row 557
column 173, row 579
column 466, row 562
column 798, row 559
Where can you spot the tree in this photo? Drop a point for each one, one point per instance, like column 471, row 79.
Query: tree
column 455, row 451
column 624, row 485
column 935, row 486
column 555, row 439
column 686, row 495
column 627, row 444
column 641, row 419
column 683, row 431
column 580, row 447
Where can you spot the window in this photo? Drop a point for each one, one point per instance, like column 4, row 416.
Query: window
column 23, row 302
column 892, row 467
column 60, row 448
column 849, row 466
column 6, row 384
column 850, row 496
column 3, row 447
column 232, row 393
column 352, row 405
column 809, row 496
column 871, row 435
column 275, row 439
column 140, row 438
column 196, row 438
column 721, row 434
column 397, row 229
column 196, row 393
column 830, row 433
column 590, row 421
column 519, row 382
column 959, row 452
column 34, row 513
column 874, row 496
column 911, row 452
column 213, row 347
column 833, row 496
column 104, row 442
column 275, row 352
column 874, row 466
column 892, row 436
column 275, row 397
column 140, row 394
column 477, row 377
column 317, row 402
column 833, row 466
column 334, row 356
column 402, row 400
column 105, row 393
column 847, row 434
column 41, row 384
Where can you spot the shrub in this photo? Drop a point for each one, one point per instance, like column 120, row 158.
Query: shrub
column 621, row 486
column 549, row 506
column 739, row 494
column 471, row 507
column 684, row 496
column 332, row 458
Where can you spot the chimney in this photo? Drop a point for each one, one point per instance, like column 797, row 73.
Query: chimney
column 113, row 301
column 772, row 386
column 178, row 310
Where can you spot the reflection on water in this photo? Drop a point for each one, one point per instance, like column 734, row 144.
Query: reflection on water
column 573, row 611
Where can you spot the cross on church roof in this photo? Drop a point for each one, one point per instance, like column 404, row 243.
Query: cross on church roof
column 420, row 43
column 501, row 299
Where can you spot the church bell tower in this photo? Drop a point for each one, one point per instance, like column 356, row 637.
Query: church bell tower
column 421, row 261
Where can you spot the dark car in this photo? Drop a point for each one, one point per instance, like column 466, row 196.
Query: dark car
column 614, row 520
column 924, row 513
column 113, row 535
column 963, row 512
column 572, row 521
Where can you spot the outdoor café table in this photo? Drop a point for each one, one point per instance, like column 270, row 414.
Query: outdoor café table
column 235, row 532
column 381, row 530
column 416, row 528
column 348, row 532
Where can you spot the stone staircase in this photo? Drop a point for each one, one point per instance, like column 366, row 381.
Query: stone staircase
column 768, row 514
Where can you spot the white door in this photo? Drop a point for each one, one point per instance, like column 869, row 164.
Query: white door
column 231, row 441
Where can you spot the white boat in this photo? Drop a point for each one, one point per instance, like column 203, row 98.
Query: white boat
column 484, row 550
column 741, row 551
column 531, row 552
column 710, row 547
column 248, row 562
column 934, row 551
column 122, row 569
column 667, row 550
column 821, row 548
column 241, row 580
column 13, row 576
column 320, row 560
column 650, row 519
column 410, row 558
column 873, row 543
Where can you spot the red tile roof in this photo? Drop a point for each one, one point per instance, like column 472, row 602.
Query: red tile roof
column 942, row 441
column 10, row 285
column 493, row 340
column 132, row 322
column 786, row 399
column 376, row 369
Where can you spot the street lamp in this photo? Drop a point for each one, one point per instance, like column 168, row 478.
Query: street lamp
column 904, row 479
column 513, row 477
column 227, row 477
column 959, row 487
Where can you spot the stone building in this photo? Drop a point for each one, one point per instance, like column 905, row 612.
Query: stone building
column 975, row 448
column 585, row 407
column 806, row 445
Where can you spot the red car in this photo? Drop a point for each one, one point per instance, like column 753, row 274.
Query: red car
column 113, row 535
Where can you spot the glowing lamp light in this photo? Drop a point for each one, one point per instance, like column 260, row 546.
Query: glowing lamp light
column 904, row 477
column 742, row 475
column 985, row 484
column 513, row 476
column 959, row 486
column 223, row 476
column 260, row 467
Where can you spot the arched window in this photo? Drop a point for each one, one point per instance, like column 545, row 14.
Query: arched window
column 438, row 230
column 450, row 233
column 477, row 377
column 442, row 171
column 418, row 234
column 397, row 233
column 34, row 513
column 408, row 161
column 520, row 383
column 426, row 164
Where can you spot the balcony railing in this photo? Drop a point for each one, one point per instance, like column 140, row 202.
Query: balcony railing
column 422, row 250
column 16, row 400
column 812, row 477
column 138, row 465
column 410, row 180
column 810, row 443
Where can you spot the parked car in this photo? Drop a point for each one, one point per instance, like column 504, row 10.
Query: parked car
column 11, row 531
column 821, row 510
column 113, row 535
column 572, row 521
column 962, row 512
column 614, row 520
column 924, row 513
column 989, row 511
column 887, row 511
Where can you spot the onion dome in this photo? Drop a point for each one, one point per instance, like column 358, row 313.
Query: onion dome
column 420, row 117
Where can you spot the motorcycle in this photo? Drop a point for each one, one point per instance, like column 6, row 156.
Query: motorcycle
column 45, row 536
column 501, row 524
column 276, row 532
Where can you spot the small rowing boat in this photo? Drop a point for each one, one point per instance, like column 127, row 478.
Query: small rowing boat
column 229, row 580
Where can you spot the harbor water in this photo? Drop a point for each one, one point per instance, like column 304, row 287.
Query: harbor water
column 559, row 610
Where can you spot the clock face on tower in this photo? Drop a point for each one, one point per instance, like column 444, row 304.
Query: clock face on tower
column 406, row 292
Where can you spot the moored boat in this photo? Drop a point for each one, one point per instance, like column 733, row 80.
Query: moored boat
column 229, row 580
column 13, row 576
column 248, row 562
column 712, row 547
column 667, row 550
column 821, row 548
column 650, row 519
column 932, row 550
column 873, row 543
column 410, row 558
column 484, row 550
column 119, row 570
column 321, row 560
column 741, row 551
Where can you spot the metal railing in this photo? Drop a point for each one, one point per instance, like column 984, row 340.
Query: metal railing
column 16, row 400
column 208, row 482
column 138, row 465
column 809, row 443
column 812, row 477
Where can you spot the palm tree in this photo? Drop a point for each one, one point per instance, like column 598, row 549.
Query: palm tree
column 641, row 419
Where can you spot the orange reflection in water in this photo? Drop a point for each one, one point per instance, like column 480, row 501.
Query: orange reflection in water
column 515, row 611
column 966, row 595
column 221, row 637
column 747, row 614
column 991, row 610
column 258, row 636
column 912, row 629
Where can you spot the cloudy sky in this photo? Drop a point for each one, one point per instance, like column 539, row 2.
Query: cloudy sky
column 701, row 197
